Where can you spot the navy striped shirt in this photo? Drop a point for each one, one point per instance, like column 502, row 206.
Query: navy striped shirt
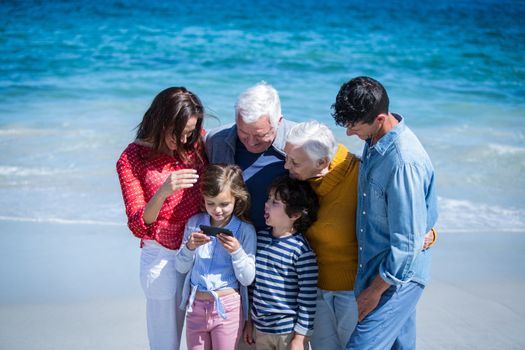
column 284, row 297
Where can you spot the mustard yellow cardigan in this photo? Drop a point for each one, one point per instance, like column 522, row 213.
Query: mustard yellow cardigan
column 332, row 236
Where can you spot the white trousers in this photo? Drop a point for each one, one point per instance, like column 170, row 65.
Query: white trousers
column 162, row 285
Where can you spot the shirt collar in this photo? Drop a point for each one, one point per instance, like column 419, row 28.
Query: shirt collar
column 384, row 143
column 234, row 224
column 278, row 142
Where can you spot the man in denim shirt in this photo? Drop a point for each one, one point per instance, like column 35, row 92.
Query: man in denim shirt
column 396, row 207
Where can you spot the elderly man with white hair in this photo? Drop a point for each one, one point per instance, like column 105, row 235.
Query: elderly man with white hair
column 255, row 142
column 313, row 154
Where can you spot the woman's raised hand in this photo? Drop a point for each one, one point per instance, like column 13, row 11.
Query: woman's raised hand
column 184, row 178
column 177, row 180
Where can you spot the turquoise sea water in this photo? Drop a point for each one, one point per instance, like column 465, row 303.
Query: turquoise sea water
column 76, row 78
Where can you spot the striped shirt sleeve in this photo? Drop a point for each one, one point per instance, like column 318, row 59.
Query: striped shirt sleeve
column 307, row 294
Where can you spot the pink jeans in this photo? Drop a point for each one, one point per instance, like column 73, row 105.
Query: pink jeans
column 206, row 330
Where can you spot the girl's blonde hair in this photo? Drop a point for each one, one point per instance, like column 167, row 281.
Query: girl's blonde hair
column 219, row 177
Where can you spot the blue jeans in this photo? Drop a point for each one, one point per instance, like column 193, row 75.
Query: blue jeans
column 335, row 319
column 392, row 324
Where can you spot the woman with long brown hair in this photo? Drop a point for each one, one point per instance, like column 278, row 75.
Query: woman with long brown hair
column 159, row 175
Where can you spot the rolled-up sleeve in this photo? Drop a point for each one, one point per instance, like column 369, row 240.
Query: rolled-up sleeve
column 407, row 222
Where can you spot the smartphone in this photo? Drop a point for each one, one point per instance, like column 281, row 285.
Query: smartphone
column 214, row 231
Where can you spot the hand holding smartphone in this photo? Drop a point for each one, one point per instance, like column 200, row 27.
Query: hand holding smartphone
column 214, row 231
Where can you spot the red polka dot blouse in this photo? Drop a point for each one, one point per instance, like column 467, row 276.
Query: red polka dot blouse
column 141, row 174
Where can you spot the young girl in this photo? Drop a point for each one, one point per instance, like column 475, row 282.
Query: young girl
column 221, row 266
column 285, row 291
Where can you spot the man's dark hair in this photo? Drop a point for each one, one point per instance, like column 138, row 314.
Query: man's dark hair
column 298, row 198
column 361, row 99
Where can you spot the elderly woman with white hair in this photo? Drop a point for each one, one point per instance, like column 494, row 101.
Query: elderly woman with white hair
column 313, row 154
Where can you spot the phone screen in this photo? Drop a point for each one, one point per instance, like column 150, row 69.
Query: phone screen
column 214, row 231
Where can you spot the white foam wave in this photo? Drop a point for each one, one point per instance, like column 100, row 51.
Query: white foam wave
column 21, row 171
column 60, row 221
column 465, row 216
column 27, row 132
column 505, row 149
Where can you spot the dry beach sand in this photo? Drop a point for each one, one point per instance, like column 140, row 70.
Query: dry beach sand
column 75, row 286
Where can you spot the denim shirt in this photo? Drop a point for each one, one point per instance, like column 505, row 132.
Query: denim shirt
column 396, row 207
